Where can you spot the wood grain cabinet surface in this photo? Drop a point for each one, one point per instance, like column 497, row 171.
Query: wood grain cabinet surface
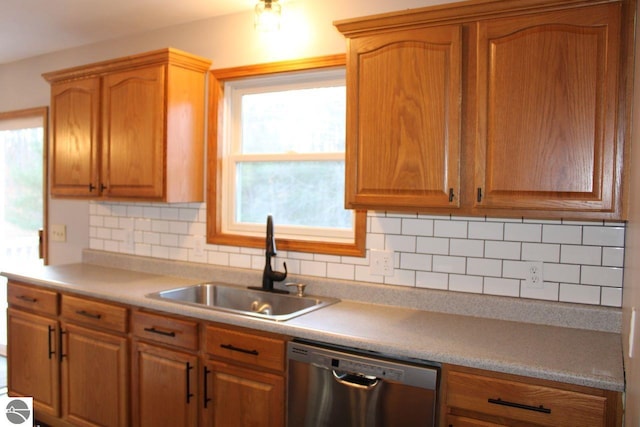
column 512, row 108
column 476, row 398
column 131, row 128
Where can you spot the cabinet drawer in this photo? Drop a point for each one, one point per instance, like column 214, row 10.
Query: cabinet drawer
column 524, row 402
column 166, row 330
column 94, row 313
column 246, row 347
column 32, row 298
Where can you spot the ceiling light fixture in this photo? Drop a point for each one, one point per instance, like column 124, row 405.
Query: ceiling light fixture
column 268, row 15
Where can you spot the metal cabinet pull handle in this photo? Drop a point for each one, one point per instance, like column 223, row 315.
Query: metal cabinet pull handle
column 241, row 350
column 51, row 330
column 91, row 187
column 90, row 315
column 60, row 352
column 207, row 399
column 188, row 374
column 520, row 406
column 153, row 330
column 479, row 195
column 450, row 195
column 27, row 298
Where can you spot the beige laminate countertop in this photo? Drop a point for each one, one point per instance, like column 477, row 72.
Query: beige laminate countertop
column 576, row 356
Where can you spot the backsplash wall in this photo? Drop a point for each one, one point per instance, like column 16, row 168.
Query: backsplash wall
column 582, row 261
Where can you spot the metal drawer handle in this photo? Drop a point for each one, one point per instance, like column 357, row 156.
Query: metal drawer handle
column 51, row 351
column 159, row 332
column 90, row 315
column 27, row 298
column 188, row 375
column 356, row 381
column 520, row 406
column 207, row 399
column 241, row 350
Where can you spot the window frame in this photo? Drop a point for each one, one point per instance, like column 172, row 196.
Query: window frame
column 215, row 153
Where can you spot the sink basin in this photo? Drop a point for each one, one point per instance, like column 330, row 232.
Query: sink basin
column 244, row 301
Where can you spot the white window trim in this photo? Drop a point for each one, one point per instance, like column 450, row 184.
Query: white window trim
column 234, row 90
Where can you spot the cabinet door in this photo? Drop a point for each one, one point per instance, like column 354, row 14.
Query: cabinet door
column 32, row 358
column 547, row 88
column 133, row 133
column 165, row 384
column 75, row 110
column 404, row 119
column 94, row 377
column 238, row 397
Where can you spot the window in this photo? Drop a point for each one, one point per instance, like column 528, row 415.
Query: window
column 276, row 147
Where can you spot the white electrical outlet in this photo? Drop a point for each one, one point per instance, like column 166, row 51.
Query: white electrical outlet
column 58, row 232
column 381, row 263
column 534, row 277
column 128, row 243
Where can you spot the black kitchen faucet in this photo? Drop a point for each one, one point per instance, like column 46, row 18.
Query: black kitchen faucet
column 269, row 276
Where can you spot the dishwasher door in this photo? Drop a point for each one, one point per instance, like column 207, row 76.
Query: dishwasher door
column 337, row 388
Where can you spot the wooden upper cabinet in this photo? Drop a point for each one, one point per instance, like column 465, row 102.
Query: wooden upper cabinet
column 547, row 88
column 75, row 109
column 130, row 128
column 517, row 108
column 132, row 123
column 403, row 118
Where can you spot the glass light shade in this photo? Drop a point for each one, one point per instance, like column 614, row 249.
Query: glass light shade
column 268, row 15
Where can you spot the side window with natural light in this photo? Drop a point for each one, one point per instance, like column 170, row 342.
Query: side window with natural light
column 280, row 148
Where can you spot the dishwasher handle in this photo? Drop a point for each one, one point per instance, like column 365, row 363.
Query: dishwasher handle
column 356, row 381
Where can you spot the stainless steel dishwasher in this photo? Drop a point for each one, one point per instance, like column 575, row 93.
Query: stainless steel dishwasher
column 335, row 387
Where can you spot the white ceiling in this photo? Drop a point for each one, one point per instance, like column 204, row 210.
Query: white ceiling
column 34, row 27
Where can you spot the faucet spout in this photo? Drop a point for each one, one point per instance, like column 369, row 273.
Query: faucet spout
column 269, row 275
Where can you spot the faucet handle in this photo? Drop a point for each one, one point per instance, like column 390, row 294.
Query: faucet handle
column 299, row 286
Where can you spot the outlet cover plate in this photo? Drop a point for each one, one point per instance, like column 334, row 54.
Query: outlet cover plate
column 534, row 275
column 381, row 262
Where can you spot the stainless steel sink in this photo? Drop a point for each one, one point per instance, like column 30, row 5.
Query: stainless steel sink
column 244, row 301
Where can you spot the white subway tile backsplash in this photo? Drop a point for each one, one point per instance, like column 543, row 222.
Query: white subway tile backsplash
column 417, row 227
column 523, row 232
column 465, row 247
column 545, row 252
column 486, row 230
column 569, row 234
column 613, row 257
column 449, row 264
column 432, row 245
column 574, row 254
column 460, row 283
column 503, row 287
column 484, row 267
column 549, row 292
column 432, row 280
column 400, row 243
column 561, row 273
column 419, row 262
column 611, row 297
column 450, row 229
column 386, row 225
column 603, row 236
column 502, row 250
column 601, row 276
column 583, row 261
column 579, row 294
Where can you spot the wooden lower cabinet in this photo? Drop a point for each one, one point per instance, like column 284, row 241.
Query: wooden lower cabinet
column 33, row 368
column 165, row 389
column 239, row 397
column 94, row 377
column 476, row 398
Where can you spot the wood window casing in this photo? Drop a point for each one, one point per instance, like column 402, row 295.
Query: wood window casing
column 215, row 235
